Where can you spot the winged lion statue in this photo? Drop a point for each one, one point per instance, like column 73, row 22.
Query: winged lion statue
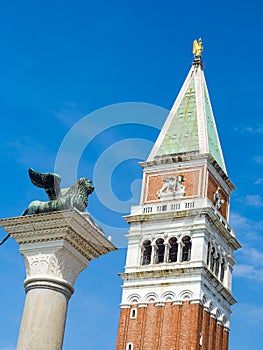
column 59, row 199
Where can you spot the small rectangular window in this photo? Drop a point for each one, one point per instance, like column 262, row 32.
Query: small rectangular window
column 129, row 346
column 133, row 313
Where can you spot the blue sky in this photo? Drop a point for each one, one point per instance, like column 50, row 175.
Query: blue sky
column 62, row 61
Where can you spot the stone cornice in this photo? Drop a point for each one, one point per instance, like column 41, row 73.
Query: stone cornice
column 76, row 228
column 217, row 286
column 164, row 276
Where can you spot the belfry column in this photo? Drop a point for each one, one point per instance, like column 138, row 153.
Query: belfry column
column 56, row 247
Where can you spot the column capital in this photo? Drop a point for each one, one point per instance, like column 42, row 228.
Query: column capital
column 56, row 247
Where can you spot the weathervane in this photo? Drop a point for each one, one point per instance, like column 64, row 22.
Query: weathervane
column 198, row 48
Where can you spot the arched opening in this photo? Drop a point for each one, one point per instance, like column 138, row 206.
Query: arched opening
column 212, row 259
column 222, row 271
column 173, row 250
column 217, row 265
column 160, row 248
column 208, row 253
column 186, row 249
column 146, row 252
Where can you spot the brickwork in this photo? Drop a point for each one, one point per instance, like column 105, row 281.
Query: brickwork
column 141, row 316
column 171, row 327
column 219, row 336
column 212, row 334
column 195, row 326
column 123, row 328
column 225, row 339
column 134, row 325
column 184, row 332
column 176, row 335
column 205, row 329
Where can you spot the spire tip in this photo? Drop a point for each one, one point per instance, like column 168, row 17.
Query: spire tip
column 197, row 51
column 198, row 48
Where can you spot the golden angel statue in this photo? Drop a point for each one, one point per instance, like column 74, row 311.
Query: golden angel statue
column 198, row 48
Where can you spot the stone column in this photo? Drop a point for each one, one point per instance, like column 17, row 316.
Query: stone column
column 56, row 247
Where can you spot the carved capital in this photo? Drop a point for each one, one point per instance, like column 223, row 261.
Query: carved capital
column 59, row 260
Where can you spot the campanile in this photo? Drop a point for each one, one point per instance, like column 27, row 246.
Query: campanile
column 177, row 284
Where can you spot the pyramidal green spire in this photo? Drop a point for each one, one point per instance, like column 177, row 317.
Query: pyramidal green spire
column 190, row 126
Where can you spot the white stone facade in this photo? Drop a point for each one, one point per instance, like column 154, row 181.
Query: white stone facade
column 181, row 280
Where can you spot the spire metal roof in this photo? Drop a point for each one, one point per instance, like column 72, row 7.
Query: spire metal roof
column 190, row 126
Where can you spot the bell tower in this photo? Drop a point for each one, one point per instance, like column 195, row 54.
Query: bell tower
column 178, row 275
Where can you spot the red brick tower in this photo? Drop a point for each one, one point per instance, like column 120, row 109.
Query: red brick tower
column 177, row 279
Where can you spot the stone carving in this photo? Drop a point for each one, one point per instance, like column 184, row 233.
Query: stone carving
column 172, row 188
column 58, row 264
column 217, row 199
column 59, row 199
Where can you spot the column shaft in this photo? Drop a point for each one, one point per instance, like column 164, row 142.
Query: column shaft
column 47, row 331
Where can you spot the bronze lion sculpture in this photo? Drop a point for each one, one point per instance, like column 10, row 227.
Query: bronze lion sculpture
column 59, row 199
